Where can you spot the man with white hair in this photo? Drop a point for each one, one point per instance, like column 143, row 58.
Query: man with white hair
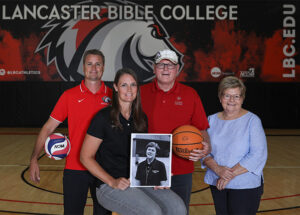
column 168, row 105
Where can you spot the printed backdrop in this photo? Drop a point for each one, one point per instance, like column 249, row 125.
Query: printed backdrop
column 254, row 40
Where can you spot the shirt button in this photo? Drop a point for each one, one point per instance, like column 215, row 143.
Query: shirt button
column 128, row 124
column 164, row 101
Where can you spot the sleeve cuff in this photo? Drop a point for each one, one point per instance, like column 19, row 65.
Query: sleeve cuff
column 203, row 166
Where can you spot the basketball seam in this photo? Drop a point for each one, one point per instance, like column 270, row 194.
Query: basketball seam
column 177, row 144
column 187, row 132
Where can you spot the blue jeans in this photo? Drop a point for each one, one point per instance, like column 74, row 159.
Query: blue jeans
column 142, row 200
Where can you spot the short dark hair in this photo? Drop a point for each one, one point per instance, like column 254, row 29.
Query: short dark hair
column 94, row 52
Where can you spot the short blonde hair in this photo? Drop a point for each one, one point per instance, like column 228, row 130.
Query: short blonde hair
column 231, row 82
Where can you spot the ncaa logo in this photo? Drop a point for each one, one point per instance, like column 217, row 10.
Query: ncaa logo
column 59, row 146
column 125, row 43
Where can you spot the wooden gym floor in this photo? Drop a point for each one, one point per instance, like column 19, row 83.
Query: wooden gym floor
column 18, row 195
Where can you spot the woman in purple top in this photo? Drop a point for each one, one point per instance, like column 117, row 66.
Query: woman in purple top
column 239, row 153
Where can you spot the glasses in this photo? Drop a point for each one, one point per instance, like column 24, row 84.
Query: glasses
column 234, row 97
column 162, row 66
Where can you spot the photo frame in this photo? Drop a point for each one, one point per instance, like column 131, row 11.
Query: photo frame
column 150, row 160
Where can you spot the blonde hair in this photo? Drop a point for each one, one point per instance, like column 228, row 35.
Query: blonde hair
column 231, row 82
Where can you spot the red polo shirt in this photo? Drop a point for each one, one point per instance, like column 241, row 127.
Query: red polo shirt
column 79, row 105
column 166, row 111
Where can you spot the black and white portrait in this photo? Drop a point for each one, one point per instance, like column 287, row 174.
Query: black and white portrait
column 150, row 163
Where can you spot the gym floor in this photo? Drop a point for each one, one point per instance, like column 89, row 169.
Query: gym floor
column 18, row 195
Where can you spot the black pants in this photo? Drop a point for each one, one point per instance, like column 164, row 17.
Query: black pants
column 236, row 201
column 182, row 186
column 76, row 184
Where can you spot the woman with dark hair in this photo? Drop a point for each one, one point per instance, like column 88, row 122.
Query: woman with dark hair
column 106, row 154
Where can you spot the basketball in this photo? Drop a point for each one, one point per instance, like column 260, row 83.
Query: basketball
column 185, row 139
column 57, row 146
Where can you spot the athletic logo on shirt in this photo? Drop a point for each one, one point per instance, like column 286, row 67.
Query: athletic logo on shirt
column 106, row 99
column 134, row 43
column 80, row 100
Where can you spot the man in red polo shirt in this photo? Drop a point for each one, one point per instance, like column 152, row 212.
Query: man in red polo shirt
column 79, row 105
column 168, row 105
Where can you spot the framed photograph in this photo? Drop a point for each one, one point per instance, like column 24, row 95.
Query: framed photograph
column 150, row 160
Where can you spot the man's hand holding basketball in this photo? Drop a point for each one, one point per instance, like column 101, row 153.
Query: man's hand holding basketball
column 197, row 154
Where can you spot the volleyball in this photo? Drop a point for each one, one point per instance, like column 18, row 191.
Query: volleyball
column 186, row 138
column 57, row 146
